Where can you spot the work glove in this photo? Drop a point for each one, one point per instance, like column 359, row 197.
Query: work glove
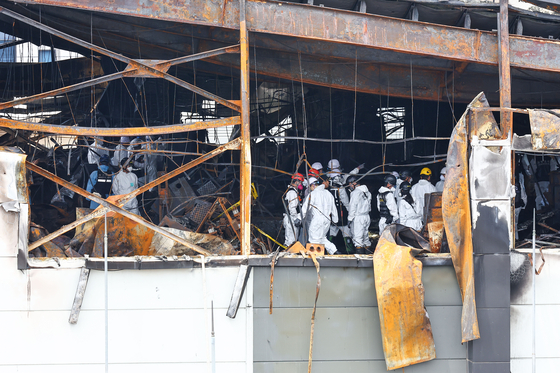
column 297, row 222
column 97, row 195
column 361, row 166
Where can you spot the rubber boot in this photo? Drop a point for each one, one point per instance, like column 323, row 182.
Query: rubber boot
column 360, row 251
column 349, row 246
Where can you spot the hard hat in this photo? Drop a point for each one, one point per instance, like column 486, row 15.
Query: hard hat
column 406, row 186
column 443, row 171
column 313, row 172
column 125, row 139
column 395, row 174
column 390, row 179
column 313, row 180
column 317, row 166
column 404, row 174
column 297, row 176
column 426, row 171
column 333, row 163
column 351, row 179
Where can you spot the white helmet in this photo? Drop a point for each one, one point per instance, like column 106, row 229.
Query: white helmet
column 125, row 139
column 443, row 171
column 313, row 180
column 333, row 163
column 317, row 166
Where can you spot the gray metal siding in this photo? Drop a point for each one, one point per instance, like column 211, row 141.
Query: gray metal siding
column 347, row 331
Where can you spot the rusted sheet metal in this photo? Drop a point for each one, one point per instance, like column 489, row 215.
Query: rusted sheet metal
column 129, row 131
column 457, row 221
column 13, row 179
column 312, row 22
column 405, row 325
column 545, row 129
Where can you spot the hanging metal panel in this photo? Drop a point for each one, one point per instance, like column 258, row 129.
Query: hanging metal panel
column 405, row 325
column 457, row 220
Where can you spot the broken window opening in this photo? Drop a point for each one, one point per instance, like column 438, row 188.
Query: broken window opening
column 393, row 122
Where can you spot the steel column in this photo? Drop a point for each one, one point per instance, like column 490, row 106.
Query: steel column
column 504, row 66
column 245, row 158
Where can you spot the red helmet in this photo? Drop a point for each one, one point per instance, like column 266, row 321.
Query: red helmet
column 313, row 173
column 297, row 176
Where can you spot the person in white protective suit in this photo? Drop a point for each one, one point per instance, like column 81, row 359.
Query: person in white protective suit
column 407, row 213
column 133, row 149
column 420, row 189
column 358, row 215
column 403, row 176
column 124, row 183
column 336, row 181
column 320, row 211
column 121, row 151
column 441, row 182
column 386, row 204
column 292, row 219
column 147, row 162
column 96, row 151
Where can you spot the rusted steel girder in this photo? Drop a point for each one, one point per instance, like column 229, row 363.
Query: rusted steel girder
column 456, row 210
column 232, row 145
column 135, row 64
column 245, row 157
column 114, row 207
column 129, row 131
column 506, row 117
column 312, row 22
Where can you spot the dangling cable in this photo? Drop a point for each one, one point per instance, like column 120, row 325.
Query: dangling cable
column 257, row 89
column 330, row 119
column 437, row 124
column 355, row 96
column 303, row 102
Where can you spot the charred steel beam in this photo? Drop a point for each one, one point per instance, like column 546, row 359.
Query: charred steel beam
column 115, row 208
column 156, row 73
column 311, row 22
column 245, row 157
column 232, row 145
column 506, row 117
column 129, row 131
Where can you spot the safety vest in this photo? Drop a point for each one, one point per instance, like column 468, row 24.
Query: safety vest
column 340, row 208
column 383, row 209
column 298, row 208
column 103, row 183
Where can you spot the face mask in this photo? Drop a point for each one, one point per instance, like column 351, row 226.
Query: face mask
column 129, row 169
column 300, row 187
column 441, row 177
column 411, row 180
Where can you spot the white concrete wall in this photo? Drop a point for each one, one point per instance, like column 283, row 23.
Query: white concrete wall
column 547, row 318
column 157, row 321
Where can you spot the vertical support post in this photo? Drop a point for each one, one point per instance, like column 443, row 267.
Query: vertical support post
column 506, row 117
column 245, row 159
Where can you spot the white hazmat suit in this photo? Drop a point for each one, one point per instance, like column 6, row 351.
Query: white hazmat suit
column 408, row 215
column 418, row 192
column 124, row 183
column 321, row 209
column 358, row 215
column 95, row 152
column 391, row 206
column 291, row 230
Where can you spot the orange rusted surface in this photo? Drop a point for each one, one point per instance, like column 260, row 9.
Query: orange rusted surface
column 405, row 326
column 457, row 219
column 545, row 129
column 435, row 234
column 129, row 131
